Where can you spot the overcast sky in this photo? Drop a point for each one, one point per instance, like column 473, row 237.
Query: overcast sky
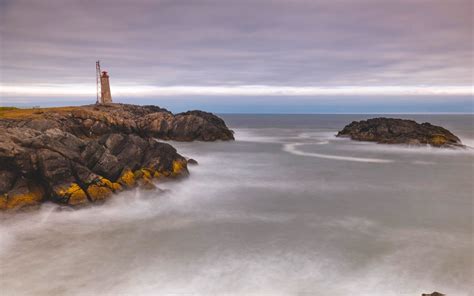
column 239, row 51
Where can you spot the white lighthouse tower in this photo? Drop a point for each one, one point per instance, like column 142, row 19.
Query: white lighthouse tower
column 104, row 96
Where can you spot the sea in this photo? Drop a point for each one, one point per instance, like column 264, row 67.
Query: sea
column 285, row 209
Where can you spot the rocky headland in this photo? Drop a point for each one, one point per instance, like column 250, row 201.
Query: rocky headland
column 76, row 156
column 400, row 131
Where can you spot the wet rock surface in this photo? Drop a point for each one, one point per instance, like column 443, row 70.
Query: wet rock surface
column 400, row 131
column 81, row 155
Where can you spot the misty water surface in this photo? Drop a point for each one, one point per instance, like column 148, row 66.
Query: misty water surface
column 286, row 209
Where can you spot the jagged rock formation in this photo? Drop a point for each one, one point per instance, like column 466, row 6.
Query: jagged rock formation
column 433, row 294
column 80, row 155
column 400, row 131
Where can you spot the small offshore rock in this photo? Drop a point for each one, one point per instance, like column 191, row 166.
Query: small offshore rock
column 400, row 131
column 434, row 294
column 192, row 161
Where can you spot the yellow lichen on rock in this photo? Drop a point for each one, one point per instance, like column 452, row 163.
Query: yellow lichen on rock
column 147, row 174
column 438, row 140
column 104, row 182
column 77, row 198
column 97, row 192
column 138, row 174
column 66, row 191
column 144, row 174
column 127, row 179
column 179, row 167
column 74, row 195
column 32, row 198
column 144, row 177
column 23, row 200
column 115, row 187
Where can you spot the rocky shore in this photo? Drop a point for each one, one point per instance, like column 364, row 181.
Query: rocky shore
column 400, row 131
column 81, row 155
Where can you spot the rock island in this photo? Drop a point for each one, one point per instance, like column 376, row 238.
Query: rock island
column 400, row 131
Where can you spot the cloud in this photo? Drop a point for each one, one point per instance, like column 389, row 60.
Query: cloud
column 237, row 43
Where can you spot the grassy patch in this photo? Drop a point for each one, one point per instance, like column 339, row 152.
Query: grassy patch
column 7, row 108
column 16, row 113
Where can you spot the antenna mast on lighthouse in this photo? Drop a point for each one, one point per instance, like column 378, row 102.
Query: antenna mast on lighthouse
column 98, row 86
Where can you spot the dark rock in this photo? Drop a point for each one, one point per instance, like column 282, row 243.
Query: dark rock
column 101, row 161
column 200, row 125
column 433, row 294
column 80, row 155
column 400, row 131
column 7, row 179
column 192, row 161
column 42, row 124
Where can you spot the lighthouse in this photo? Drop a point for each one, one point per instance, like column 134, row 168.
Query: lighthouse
column 103, row 86
column 106, row 96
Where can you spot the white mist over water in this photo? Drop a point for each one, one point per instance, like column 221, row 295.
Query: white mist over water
column 292, row 148
column 254, row 218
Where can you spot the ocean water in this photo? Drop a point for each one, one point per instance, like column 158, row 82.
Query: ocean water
column 286, row 209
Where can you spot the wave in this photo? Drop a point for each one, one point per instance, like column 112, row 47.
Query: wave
column 291, row 148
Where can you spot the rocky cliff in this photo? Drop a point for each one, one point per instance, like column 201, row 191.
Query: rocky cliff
column 400, row 131
column 81, row 155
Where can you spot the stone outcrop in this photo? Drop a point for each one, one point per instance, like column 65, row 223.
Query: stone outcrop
column 97, row 120
column 81, row 155
column 400, row 131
